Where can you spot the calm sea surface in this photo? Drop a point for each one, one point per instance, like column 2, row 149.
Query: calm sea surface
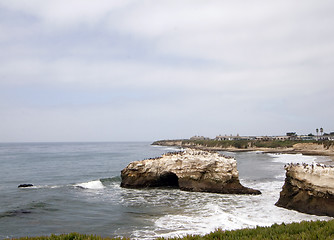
column 77, row 189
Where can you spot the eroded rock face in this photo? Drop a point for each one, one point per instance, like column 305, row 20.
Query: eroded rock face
column 191, row 170
column 308, row 189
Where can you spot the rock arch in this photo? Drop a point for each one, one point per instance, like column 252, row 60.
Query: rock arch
column 191, row 170
column 168, row 179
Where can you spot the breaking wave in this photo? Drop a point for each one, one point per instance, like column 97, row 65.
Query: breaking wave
column 292, row 158
column 94, row 185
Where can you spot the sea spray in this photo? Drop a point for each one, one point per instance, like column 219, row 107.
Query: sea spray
column 93, row 185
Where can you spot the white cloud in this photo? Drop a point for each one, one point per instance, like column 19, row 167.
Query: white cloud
column 240, row 33
column 263, row 63
column 66, row 14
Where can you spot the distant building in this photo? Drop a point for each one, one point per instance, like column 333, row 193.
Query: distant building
column 231, row 138
column 263, row 138
column 292, row 135
column 306, row 137
column 331, row 136
column 289, row 136
column 199, row 138
column 281, row 138
column 222, row 138
column 324, row 138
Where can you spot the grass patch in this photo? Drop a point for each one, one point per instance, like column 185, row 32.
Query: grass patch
column 241, row 144
column 295, row 231
column 321, row 230
column 276, row 144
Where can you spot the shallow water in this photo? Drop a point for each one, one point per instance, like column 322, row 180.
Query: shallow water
column 76, row 189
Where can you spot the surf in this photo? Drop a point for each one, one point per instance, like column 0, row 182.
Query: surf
column 93, row 185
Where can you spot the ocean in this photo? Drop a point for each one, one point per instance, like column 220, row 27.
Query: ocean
column 77, row 189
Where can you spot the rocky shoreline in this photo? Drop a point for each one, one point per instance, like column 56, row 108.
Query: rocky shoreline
column 308, row 189
column 189, row 170
column 302, row 148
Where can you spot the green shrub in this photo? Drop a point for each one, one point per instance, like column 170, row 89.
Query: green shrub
column 294, row 231
column 241, row 144
column 321, row 230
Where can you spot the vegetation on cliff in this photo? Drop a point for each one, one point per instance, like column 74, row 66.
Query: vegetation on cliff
column 294, row 231
column 240, row 144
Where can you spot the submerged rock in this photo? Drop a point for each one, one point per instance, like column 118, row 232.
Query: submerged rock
column 308, row 189
column 25, row 185
column 190, row 170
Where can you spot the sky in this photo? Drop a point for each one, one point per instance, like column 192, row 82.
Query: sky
column 130, row 70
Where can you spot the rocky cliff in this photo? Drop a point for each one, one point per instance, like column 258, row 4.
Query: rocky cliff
column 308, row 189
column 307, row 148
column 190, row 170
column 314, row 149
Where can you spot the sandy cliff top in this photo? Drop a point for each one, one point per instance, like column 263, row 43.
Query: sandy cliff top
column 320, row 177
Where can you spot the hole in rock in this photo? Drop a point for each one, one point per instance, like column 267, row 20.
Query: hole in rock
column 168, row 179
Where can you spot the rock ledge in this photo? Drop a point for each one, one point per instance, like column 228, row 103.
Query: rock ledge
column 308, row 189
column 190, row 170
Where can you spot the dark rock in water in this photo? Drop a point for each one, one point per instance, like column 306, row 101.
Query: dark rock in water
column 191, row 170
column 15, row 213
column 308, row 189
column 25, row 185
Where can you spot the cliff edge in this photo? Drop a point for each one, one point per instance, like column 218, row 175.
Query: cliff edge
column 323, row 148
column 189, row 170
column 308, row 189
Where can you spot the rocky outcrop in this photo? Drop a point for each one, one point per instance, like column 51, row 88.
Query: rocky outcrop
column 25, row 185
column 174, row 143
column 314, row 149
column 308, row 189
column 190, row 170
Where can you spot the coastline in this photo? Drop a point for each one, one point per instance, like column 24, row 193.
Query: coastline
column 183, row 212
column 312, row 149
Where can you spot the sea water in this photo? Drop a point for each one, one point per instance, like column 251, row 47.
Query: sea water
column 77, row 189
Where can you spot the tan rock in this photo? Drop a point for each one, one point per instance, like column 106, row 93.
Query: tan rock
column 190, row 170
column 308, row 189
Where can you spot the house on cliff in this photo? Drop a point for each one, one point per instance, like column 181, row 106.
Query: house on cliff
column 199, row 138
column 229, row 138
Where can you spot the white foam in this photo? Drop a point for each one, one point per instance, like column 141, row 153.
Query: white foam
column 209, row 219
column 95, row 185
column 292, row 158
column 205, row 213
column 44, row 186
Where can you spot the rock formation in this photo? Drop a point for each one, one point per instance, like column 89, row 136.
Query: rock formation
column 308, row 189
column 190, row 170
column 25, row 185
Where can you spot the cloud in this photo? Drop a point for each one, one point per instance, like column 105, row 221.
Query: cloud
column 200, row 67
column 66, row 14
column 232, row 32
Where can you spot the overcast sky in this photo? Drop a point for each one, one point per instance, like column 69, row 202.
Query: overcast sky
column 104, row 70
